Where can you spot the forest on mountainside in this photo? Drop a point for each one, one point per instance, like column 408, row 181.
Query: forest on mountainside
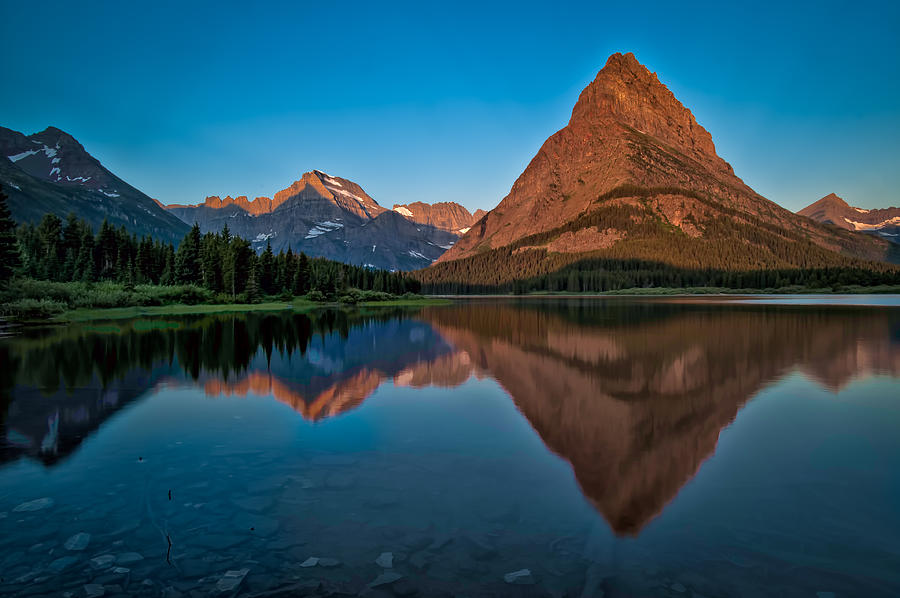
column 735, row 251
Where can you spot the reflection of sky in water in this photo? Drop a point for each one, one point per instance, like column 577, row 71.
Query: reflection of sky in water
column 634, row 450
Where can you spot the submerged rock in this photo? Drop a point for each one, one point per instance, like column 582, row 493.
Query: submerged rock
column 325, row 562
column 520, row 577
column 34, row 505
column 231, row 580
column 61, row 564
column 94, row 590
column 79, row 541
column 102, row 561
column 385, row 560
column 310, row 562
column 386, row 578
column 127, row 558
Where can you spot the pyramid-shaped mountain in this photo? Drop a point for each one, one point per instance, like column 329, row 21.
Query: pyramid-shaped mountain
column 634, row 176
column 831, row 209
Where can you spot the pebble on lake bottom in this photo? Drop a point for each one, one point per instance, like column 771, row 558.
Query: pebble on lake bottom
column 94, row 590
column 522, row 576
column 231, row 580
column 386, row 578
column 79, row 541
column 34, row 505
column 385, row 560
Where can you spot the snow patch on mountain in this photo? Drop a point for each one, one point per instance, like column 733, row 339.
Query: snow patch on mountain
column 863, row 226
column 263, row 237
column 404, row 211
column 321, row 228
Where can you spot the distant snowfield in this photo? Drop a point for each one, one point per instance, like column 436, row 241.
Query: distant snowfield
column 323, row 227
column 863, row 226
column 404, row 211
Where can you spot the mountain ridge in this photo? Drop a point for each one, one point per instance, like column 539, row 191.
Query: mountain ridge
column 51, row 172
column 324, row 216
column 832, row 209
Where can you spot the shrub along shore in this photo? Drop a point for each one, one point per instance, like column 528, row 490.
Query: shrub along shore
column 31, row 300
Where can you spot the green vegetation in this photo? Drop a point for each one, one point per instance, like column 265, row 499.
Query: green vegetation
column 60, row 267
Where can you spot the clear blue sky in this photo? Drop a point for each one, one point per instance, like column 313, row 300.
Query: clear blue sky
column 447, row 101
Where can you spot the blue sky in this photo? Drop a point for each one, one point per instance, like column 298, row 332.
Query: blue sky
column 447, row 101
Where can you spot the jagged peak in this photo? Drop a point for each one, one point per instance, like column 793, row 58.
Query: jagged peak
column 834, row 198
column 628, row 93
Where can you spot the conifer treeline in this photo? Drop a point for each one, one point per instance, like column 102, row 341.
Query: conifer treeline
column 220, row 262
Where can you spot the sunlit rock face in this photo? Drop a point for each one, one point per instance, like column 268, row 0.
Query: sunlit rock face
column 446, row 215
column 628, row 129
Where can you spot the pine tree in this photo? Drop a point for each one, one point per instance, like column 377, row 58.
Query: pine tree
column 167, row 277
column 9, row 250
column 253, row 290
column 50, row 235
column 266, row 271
column 187, row 258
column 301, row 276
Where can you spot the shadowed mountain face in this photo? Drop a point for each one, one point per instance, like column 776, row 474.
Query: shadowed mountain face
column 50, row 172
column 324, row 216
column 633, row 395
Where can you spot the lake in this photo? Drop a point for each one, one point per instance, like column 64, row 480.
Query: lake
column 534, row 447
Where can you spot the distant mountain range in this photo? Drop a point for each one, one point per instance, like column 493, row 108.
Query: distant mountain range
column 633, row 176
column 831, row 209
column 324, row 216
column 631, row 179
column 50, row 172
column 333, row 217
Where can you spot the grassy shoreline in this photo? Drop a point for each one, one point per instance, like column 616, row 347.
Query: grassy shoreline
column 61, row 303
column 297, row 305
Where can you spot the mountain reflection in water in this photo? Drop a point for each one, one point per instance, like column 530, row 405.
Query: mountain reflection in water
column 632, row 395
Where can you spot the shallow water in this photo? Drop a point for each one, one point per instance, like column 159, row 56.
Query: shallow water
column 617, row 447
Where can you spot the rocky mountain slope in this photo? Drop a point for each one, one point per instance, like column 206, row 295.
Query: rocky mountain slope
column 831, row 209
column 446, row 215
column 50, row 172
column 324, row 216
column 634, row 176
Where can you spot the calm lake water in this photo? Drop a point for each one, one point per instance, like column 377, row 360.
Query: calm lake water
column 611, row 447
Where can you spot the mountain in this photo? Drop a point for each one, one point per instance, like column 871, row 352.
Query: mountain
column 324, row 216
column 633, row 176
column 831, row 209
column 445, row 215
column 50, row 172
